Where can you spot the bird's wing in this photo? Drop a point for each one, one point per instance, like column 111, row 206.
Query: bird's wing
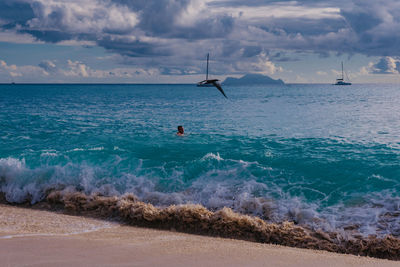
column 219, row 88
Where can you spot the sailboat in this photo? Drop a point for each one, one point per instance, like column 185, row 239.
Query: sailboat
column 211, row 82
column 341, row 81
column 204, row 83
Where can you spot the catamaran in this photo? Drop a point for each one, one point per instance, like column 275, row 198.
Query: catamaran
column 205, row 82
column 341, row 81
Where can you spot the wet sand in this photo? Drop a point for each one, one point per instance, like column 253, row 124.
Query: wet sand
column 31, row 237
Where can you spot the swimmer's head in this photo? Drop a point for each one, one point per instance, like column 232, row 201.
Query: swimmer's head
column 180, row 129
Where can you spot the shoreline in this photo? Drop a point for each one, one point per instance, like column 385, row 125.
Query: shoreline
column 46, row 238
column 196, row 219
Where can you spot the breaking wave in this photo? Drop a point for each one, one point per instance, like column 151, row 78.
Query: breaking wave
column 219, row 183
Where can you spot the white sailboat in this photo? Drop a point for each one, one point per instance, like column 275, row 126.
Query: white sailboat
column 341, row 81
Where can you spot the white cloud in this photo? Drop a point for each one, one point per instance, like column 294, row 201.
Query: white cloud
column 73, row 71
column 292, row 9
column 386, row 65
column 79, row 69
column 11, row 69
column 77, row 43
column 20, row 71
column 90, row 16
column 192, row 13
column 17, row 38
column 76, row 68
column 262, row 65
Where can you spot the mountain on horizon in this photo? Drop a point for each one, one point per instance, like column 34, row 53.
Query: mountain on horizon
column 252, row 79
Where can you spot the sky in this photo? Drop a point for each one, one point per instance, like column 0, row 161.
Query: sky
column 166, row 41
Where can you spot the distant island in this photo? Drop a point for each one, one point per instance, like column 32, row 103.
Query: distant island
column 252, row 79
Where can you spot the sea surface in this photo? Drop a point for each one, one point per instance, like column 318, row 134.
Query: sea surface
column 322, row 156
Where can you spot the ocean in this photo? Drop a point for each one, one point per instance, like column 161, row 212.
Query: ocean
column 321, row 156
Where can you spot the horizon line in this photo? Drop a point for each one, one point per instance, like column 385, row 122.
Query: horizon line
column 98, row 83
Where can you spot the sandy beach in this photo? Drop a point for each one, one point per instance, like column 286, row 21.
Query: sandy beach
column 30, row 237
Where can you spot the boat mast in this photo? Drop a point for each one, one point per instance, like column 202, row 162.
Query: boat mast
column 342, row 72
column 208, row 55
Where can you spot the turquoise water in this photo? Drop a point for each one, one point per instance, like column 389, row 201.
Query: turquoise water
column 319, row 155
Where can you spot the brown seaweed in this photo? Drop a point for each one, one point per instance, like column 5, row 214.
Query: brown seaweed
column 197, row 219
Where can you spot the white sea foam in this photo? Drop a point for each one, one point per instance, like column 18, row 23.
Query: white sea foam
column 11, row 163
column 89, row 229
column 117, row 148
column 100, row 148
column 233, row 185
column 76, row 149
column 212, row 156
column 381, row 178
column 49, row 154
column 96, row 148
column 24, row 137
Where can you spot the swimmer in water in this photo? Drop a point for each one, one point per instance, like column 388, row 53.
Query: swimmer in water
column 180, row 130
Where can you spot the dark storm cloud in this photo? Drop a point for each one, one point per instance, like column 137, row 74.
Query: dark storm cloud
column 14, row 12
column 105, row 22
column 211, row 27
column 260, row 3
column 136, row 48
column 375, row 24
column 157, row 18
column 305, row 26
column 50, row 36
column 251, row 51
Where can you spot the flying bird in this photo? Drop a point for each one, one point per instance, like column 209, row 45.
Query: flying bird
column 214, row 82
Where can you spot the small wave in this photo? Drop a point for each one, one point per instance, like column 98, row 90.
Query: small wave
column 268, row 154
column 49, row 154
column 96, row 148
column 76, row 149
column 23, row 137
column 212, row 156
column 100, row 148
column 380, row 178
